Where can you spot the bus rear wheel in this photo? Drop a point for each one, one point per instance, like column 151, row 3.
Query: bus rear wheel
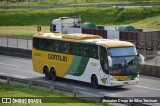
column 94, row 81
column 53, row 74
column 47, row 73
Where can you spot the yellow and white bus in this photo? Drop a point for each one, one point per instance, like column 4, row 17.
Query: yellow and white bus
column 87, row 58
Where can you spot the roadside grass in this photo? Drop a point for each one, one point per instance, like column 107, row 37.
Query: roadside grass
column 100, row 16
column 68, row 2
column 19, row 91
column 152, row 23
column 22, row 30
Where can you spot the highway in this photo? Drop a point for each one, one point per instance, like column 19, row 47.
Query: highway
column 22, row 68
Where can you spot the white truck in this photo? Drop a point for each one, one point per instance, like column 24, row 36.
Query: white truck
column 66, row 25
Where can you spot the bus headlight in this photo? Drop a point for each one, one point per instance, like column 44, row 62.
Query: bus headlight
column 112, row 79
column 137, row 78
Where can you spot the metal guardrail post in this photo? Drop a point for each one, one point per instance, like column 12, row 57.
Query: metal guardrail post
column 27, row 43
column 8, row 80
column 155, row 54
column 17, row 41
column 156, row 60
column 75, row 92
column 144, row 52
column 52, row 88
column 128, row 104
column 29, row 84
column 27, row 47
column 7, row 41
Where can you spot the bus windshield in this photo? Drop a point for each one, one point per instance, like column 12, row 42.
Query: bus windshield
column 124, row 61
column 127, row 51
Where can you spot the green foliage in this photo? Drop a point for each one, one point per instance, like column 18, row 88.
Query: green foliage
column 19, row 91
column 135, row 14
column 100, row 16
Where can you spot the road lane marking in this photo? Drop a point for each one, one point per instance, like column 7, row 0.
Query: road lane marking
column 87, row 93
column 148, row 77
column 9, row 65
column 2, row 73
column 61, row 84
column 157, row 103
column 15, row 57
column 108, row 93
column 43, row 81
column 19, row 76
column 148, row 87
column 81, row 88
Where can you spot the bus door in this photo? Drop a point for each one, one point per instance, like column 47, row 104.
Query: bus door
column 103, row 59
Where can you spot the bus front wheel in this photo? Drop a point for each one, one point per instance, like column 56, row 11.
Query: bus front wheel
column 94, row 81
column 53, row 74
column 46, row 72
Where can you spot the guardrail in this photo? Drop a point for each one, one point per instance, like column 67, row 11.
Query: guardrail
column 16, row 42
column 30, row 83
column 53, row 87
column 150, row 70
column 84, row 5
column 17, row 52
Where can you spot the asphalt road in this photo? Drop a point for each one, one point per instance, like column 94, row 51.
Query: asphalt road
column 22, row 68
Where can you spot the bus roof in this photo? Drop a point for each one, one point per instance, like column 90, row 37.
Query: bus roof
column 85, row 38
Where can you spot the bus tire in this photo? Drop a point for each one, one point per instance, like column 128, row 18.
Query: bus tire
column 94, row 81
column 53, row 74
column 47, row 73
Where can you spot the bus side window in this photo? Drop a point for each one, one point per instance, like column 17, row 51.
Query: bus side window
column 86, row 50
column 56, row 46
column 35, row 43
column 47, row 44
column 40, row 44
column 103, row 59
column 53, row 45
column 65, row 47
column 81, row 50
column 74, row 49
column 94, row 51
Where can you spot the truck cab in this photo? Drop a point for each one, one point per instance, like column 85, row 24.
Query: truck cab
column 62, row 24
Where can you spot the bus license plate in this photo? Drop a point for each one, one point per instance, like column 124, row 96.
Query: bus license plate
column 125, row 82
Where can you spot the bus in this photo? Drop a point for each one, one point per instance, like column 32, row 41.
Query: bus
column 87, row 58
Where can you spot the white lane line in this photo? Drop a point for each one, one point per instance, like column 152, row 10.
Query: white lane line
column 81, row 88
column 61, row 84
column 19, row 76
column 107, row 93
column 9, row 65
column 43, row 81
column 2, row 73
column 157, row 103
column 148, row 87
column 86, row 93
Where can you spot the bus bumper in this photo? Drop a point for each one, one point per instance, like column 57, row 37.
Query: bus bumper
column 123, row 83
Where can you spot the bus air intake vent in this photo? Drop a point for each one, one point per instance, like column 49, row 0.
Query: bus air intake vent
column 81, row 36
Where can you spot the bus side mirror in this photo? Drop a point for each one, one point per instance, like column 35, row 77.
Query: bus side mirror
column 141, row 59
column 110, row 61
column 53, row 28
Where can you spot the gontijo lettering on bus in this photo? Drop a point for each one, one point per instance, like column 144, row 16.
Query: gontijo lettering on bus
column 57, row 57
